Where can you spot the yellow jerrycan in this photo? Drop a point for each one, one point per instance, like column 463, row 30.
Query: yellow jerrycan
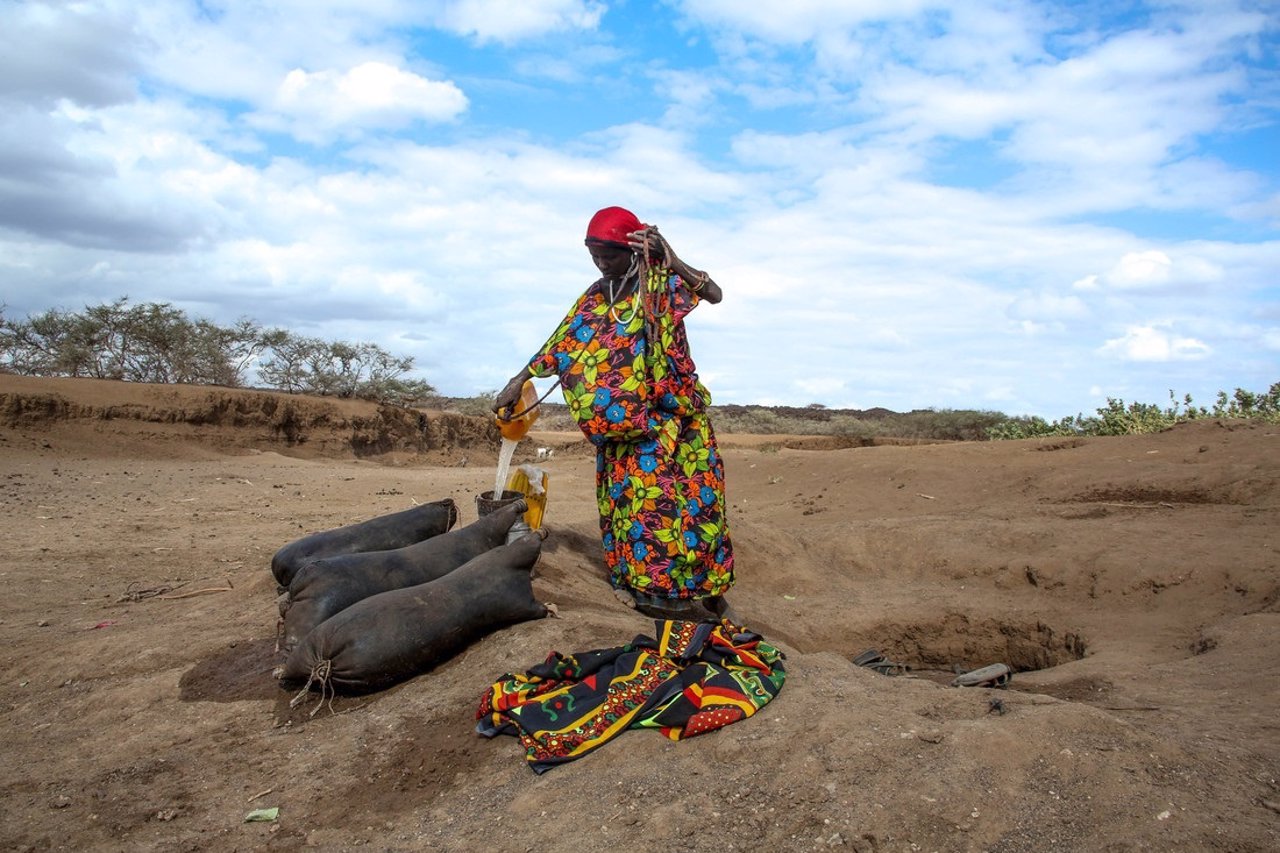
column 531, row 482
column 517, row 420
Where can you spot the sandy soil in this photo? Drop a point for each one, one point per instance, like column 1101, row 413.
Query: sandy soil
column 1132, row 582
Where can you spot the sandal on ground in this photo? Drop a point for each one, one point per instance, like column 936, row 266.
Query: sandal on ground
column 995, row 675
column 867, row 657
column 888, row 667
column 872, row 659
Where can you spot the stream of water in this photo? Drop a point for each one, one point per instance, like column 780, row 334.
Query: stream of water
column 504, row 465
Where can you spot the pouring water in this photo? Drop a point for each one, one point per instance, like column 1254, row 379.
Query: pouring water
column 504, row 465
column 513, row 424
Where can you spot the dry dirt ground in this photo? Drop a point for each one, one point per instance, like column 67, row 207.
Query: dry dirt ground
column 1132, row 583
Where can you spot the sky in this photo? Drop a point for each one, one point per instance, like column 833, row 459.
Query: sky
column 1024, row 207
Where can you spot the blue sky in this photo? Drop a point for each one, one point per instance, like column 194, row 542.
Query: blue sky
column 1019, row 206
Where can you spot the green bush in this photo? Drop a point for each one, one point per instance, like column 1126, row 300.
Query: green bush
column 1117, row 418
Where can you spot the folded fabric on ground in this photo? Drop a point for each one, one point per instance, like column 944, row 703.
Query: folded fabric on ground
column 697, row 677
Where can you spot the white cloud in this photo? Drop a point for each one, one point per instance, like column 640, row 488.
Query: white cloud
column 369, row 97
column 799, row 20
column 1088, row 120
column 1150, row 343
column 1154, row 271
column 821, row 387
column 83, row 52
column 799, row 152
column 254, row 45
column 1046, row 306
column 507, row 21
column 1140, row 269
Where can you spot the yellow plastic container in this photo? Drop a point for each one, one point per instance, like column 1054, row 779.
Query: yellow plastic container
column 531, row 482
column 516, row 421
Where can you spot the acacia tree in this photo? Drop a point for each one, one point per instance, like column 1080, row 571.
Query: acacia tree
column 289, row 364
column 340, row 369
column 138, row 343
column 384, row 380
column 54, row 343
column 155, row 342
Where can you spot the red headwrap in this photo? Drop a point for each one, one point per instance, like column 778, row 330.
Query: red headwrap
column 611, row 226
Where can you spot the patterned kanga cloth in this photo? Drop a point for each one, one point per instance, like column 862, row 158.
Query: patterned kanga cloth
column 699, row 676
column 659, row 482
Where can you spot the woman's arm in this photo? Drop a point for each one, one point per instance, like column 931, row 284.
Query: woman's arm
column 697, row 280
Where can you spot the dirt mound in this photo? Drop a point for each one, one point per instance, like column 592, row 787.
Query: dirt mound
column 228, row 419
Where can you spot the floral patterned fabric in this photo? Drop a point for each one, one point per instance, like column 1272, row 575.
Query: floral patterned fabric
column 695, row 678
column 659, row 475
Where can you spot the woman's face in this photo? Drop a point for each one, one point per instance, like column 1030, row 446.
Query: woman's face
column 612, row 262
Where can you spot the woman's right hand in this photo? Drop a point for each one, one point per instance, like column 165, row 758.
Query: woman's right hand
column 510, row 395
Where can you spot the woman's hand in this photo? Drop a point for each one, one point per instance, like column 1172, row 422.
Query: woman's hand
column 660, row 251
column 510, row 394
column 649, row 241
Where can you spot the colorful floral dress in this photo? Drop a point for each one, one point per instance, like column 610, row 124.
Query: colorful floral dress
column 659, row 475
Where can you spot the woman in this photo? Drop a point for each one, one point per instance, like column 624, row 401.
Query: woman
column 623, row 358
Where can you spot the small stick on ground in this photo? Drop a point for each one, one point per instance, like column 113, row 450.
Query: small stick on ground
column 228, row 588
column 135, row 592
column 259, row 795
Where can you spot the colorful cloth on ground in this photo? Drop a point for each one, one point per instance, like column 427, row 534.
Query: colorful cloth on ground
column 659, row 486
column 697, row 677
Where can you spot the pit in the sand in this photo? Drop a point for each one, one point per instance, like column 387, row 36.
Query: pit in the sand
column 957, row 642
